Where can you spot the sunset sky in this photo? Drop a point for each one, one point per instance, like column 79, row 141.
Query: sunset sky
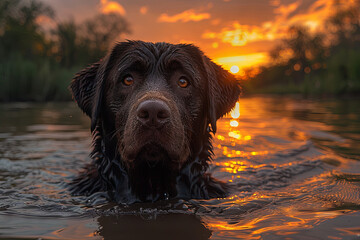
column 231, row 32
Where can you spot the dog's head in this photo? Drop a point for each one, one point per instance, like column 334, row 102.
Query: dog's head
column 152, row 101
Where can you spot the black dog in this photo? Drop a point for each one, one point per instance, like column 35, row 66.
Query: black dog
column 152, row 108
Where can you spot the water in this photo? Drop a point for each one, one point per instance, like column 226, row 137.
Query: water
column 295, row 165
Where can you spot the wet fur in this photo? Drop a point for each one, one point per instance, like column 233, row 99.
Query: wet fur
column 118, row 167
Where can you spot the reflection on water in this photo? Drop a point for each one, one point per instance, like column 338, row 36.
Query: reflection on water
column 293, row 164
column 166, row 226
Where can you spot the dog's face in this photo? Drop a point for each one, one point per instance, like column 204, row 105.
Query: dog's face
column 154, row 101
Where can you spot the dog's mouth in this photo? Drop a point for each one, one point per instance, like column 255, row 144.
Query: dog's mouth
column 152, row 153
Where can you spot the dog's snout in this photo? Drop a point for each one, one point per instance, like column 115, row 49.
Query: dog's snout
column 153, row 113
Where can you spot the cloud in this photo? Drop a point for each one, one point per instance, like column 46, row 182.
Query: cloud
column 240, row 35
column 313, row 17
column 237, row 34
column 144, row 10
column 285, row 16
column 275, row 2
column 185, row 16
column 216, row 22
column 107, row 7
column 283, row 11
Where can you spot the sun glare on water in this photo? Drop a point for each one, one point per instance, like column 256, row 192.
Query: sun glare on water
column 234, row 69
column 235, row 112
column 234, row 123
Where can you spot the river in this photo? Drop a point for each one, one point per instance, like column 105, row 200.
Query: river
column 294, row 163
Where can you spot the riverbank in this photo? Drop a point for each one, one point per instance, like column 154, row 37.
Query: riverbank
column 319, row 88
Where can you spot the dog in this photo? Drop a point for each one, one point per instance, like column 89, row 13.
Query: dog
column 153, row 108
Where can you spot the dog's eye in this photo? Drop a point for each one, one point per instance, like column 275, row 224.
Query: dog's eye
column 183, row 82
column 128, row 80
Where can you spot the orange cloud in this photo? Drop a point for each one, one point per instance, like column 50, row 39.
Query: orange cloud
column 107, row 7
column 284, row 11
column 185, row 16
column 313, row 17
column 237, row 35
column 144, row 10
column 275, row 2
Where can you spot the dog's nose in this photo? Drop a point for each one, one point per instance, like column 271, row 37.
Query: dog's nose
column 153, row 113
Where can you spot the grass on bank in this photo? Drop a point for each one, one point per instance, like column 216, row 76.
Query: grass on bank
column 41, row 80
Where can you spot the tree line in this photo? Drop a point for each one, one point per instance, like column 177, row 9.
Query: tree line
column 326, row 62
column 39, row 53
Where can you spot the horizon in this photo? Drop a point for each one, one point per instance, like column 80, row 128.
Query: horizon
column 235, row 34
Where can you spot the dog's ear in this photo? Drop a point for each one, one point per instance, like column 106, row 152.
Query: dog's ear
column 83, row 88
column 88, row 85
column 223, row 91
column 86, row 88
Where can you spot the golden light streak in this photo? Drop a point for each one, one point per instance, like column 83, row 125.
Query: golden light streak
column 243, row 61
column 237, row 35
column 234, row 153
column 185, row 16
column 297, row 219
column 235, row 112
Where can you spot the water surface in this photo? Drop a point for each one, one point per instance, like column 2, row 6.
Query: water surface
column 295, row 165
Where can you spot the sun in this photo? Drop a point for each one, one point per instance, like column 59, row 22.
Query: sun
column 234, row 69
